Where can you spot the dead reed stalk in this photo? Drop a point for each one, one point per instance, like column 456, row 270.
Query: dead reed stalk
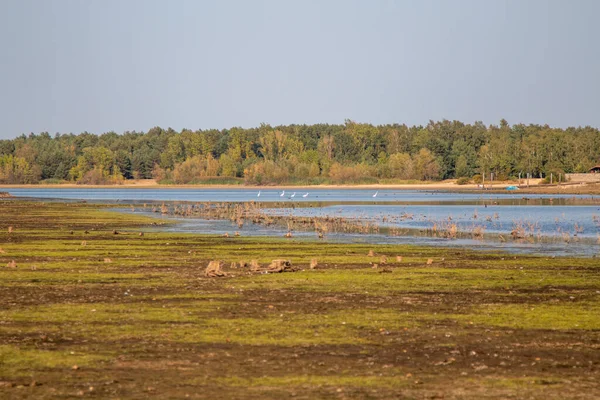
column 213, row 270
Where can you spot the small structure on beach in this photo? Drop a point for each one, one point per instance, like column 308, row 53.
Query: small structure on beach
column 595, row 169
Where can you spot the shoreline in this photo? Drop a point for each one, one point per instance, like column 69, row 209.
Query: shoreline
column 152, row 184
column 450, row 186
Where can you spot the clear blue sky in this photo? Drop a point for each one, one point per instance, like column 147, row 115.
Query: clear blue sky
column 77, row 65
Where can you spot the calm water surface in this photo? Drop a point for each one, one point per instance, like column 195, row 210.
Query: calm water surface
column 294, row 196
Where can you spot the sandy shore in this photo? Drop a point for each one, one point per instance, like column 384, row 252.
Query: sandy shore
column 450, row 185
column 152, row 184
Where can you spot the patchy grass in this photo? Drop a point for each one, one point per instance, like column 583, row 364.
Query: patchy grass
column 138, row 314
column 570, row 316
column 434, row 279
column 18, row 361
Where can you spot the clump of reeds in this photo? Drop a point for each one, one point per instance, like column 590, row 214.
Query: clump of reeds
column 518, row 231
column 280, row 266
column 255, row 266
column 214, row 270
column 477, row 232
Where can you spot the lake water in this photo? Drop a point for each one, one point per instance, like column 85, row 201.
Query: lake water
column 553, row 224
column 321, row 195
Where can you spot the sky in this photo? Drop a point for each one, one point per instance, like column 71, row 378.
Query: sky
column 123, row 65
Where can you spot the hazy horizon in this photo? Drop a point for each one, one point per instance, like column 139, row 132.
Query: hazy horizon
column 71, row 66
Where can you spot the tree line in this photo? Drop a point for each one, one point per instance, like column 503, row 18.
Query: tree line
column 302, row 154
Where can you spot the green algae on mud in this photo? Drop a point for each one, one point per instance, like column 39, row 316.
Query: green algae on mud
column 137, row 317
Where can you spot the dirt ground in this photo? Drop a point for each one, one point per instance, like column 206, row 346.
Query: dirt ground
column 88, row 313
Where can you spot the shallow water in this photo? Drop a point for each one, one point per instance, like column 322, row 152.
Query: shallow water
column 580, row 247
column 547, row 221
column 271, row 195
column 553, row 224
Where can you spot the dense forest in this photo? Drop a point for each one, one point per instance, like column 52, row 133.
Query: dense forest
column 301, row 154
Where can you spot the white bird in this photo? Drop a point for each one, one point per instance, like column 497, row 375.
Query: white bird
column 293, row 195
column 258, row 195
column 375, row 195
column 305, row 195
column 282, row 194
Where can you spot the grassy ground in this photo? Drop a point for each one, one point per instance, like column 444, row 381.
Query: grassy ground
column 90, row 313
